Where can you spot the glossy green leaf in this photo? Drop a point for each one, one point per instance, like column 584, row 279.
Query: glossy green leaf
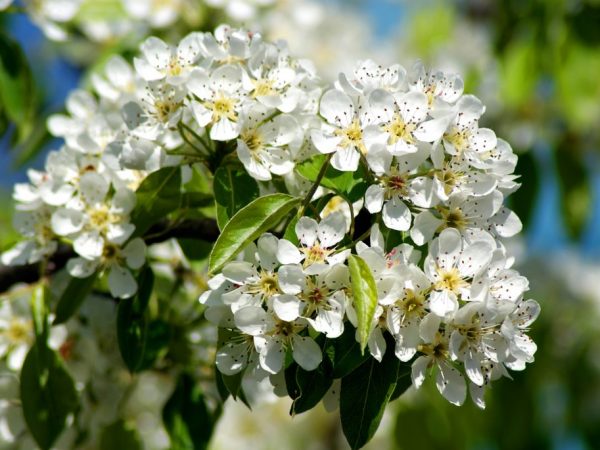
column 364, row 396
column 248, row 224
column 120, row 434
column 344, row 352
column 403, row 382
column 349, row 184
column 132, row 322
column 158, row 195
column 307, row 388
column 73, row 296
column 364, row 295
column 17, row 99
column 186, row 417
column 234, row 189
column 48, row 394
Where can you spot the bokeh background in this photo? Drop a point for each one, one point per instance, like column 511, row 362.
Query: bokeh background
column 536, row 65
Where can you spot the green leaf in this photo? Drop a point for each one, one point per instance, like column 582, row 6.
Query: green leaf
column 246, row 225
column 186, row 416
column 307, row 388
column 119, row 434
column 73, row 296
column 403, row 382
column 349, row 184
column 234, row 189
column 364, row 294
column 364, row 396
column 344, row 352
column 132, row 322
column 158, row 195
column 39, row 311
column 48, row 394
column 17, row 99
column 194, row 200
column 290, row 231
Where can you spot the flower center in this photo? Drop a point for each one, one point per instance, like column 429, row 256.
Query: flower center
column 174, row 68
column 253, row 140
column 18, row 331
column 458, row 138
column 395, row 184
column 450, row 280
column 268, row 284
column 223, row 108
column 412, row 303
column 263, row 87
column 352, row 136
column 315, row 254
column 453, row 218
column 99, row 217
column 400, row 130
column 165, row 108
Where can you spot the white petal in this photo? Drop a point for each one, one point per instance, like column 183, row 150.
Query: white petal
column 337, row 108
column 232, row 358
column 67, row 221
column 81, row 268
column 424, row 227
column 451, row 384
column 135, row 253
column 374, row 198
column 346, row 159
column 291, row 279
column 253, row 320
column 288, row 253
column 306, row 230
column 89, row 245
column 396, row 215
column 419, row 370
column 120, row 282
column 332, row 229
column 271, row 356
column 287, row 307
column 306, row 352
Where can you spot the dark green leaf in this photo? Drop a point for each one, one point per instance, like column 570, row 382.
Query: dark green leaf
column 307, row 388
column 364, row 396
column 403, row 382
column 234, row 189
column 186, row 416
column 132, row 322
column 344, row 352
column 73, row 296
column 17, row 99
column 48, row 394
column 364, row 296
column 158, row 195
column 195, row 249
column 120, row 435
column 290, row 231
column 246, row 225
column 194, row 200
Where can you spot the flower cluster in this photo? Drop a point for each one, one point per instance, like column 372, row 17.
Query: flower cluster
column 437, row 180
column 428, row 180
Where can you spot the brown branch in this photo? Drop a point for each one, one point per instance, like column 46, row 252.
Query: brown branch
column 203, row 229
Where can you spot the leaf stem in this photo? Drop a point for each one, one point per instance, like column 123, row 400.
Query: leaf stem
column 315, row 185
